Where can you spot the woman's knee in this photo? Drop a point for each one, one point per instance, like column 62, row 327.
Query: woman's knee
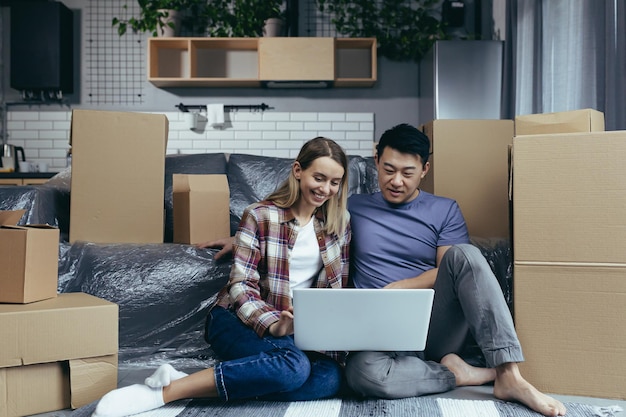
column 294, row 370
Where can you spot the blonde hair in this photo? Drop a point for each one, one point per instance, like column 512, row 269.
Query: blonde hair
column 335, row 208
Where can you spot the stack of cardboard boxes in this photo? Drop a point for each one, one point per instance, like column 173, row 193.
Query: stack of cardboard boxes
column 118, row 176
column 569, row 242
column 60, row 351
column 559, row 179
column 56, row 352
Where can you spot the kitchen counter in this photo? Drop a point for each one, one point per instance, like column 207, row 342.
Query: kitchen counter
column 21, row 175
column 24, row 178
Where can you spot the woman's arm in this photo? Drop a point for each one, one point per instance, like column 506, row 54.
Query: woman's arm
column 248, row 294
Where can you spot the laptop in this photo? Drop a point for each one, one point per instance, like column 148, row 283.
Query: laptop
column 361, row 319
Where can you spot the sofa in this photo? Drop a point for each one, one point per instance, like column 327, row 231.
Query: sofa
column 164, row 290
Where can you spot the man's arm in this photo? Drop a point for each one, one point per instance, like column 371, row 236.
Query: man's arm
column 425, row 279
column 224, row 244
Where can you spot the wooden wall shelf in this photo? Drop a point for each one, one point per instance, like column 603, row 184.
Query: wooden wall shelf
column 252, row 62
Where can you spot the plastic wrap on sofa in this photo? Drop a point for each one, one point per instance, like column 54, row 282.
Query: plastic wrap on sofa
column 48, row 203
column 163, row 292
column 497, row 251
column 251, row 178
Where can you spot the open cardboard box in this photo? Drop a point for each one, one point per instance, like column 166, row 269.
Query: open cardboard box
column 57, row 353
column 201, row 205
column 29, row 256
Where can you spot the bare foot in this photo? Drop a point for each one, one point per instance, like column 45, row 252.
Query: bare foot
column 465, row 373
column 511, row 386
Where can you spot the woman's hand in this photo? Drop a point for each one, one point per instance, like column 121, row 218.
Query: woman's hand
column 284, row 325
column 225, row 245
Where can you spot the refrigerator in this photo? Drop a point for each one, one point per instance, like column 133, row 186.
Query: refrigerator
column 461, row 79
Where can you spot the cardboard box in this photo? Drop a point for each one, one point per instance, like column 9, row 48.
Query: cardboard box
column 118, row 176
column 59, row 385
column 585, row 120
column 569, row 320
column 569, row 247
column 569, row 194
column 469, row 163
column 29, row 256
column 201, row 207
column 67, row 345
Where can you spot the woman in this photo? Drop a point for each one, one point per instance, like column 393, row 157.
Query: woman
column 298, row 236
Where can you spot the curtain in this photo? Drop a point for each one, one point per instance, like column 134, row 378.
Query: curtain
column 566, row 55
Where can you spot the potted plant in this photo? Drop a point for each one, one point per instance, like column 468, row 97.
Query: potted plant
column 404, row 30
column 159, row 17
column 275, row 22
column 235, row 18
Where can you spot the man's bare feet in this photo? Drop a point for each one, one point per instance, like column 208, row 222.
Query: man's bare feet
column 465, row 373
column 511, row 386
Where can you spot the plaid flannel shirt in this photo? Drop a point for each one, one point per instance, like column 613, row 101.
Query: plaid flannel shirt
column 258, row 288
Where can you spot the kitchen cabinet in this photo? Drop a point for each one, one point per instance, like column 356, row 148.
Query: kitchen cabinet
column 296, row 59
column 257, row 62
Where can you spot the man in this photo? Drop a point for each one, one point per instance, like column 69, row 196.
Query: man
column 403, row 237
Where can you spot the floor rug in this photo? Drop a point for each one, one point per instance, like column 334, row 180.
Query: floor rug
column 408, row 407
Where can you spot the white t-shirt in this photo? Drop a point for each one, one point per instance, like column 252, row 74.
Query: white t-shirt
column 306, row 260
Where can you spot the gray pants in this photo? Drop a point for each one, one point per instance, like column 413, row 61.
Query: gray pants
column 468, row 298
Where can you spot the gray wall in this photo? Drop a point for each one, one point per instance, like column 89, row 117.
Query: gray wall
column 394, row 99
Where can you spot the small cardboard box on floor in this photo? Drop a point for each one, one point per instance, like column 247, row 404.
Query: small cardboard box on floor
column 29, row 256
column 469, row 163
column 57, row 353
column 118, row 176
column 569, row 246
column 201, row 205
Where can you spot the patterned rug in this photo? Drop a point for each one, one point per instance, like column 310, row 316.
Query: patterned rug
column 408, row 407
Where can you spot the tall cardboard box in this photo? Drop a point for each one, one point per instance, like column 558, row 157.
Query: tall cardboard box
column 469, row 163
column 118, row 176
column 569, row 247
column 57, row 353
column 29, row 256
column 573, row 121
column 201, row 207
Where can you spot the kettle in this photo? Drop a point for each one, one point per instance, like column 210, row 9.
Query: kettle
column 8, row 154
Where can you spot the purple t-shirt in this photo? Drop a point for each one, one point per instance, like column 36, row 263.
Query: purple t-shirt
column 391, row 242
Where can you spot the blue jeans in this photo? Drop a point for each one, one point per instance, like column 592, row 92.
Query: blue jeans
column 266, row 368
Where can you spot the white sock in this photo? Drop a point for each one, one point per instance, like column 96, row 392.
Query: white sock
column 129, row 400
column 163, row 376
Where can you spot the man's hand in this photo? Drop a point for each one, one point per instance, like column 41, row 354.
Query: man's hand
column 225, row 245
column 284, row 325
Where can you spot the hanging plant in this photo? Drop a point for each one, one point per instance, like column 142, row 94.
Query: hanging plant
column 404, row 30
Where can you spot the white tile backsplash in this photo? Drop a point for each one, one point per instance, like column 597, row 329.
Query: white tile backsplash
column 45, row 135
